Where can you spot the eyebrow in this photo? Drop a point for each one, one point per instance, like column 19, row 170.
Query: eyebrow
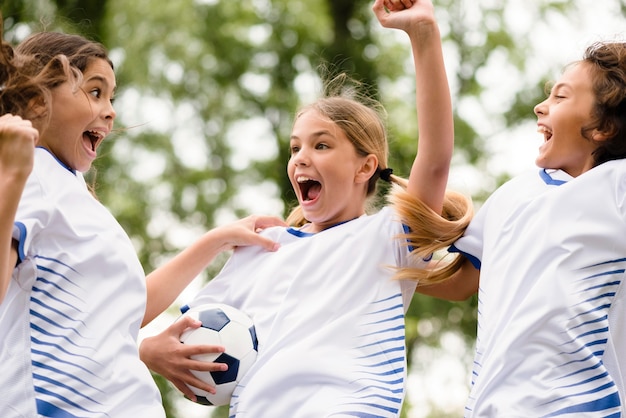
column 101, row 79
column 315, row 134
column 561, row 84
column 558, row 87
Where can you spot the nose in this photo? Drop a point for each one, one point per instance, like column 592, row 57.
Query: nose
column 109, row 112
column 541, row 108
column 300, row 158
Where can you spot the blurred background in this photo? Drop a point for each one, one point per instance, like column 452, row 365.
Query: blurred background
column 206, row 94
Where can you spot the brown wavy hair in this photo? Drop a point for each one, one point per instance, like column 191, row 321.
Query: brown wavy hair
column 25, row 84
column 37, row 65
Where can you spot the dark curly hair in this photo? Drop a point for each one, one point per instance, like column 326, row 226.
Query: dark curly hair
column 607, row 65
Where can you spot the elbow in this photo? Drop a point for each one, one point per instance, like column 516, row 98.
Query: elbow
column 4, row 286
column 458, row 287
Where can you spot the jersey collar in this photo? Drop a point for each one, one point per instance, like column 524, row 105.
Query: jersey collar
column 554, row 177
column 71, row 170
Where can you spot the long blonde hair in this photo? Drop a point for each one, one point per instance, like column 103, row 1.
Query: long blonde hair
column 362, row 120
column 431, row 232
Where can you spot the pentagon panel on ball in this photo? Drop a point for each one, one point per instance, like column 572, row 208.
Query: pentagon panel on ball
column 227, row 326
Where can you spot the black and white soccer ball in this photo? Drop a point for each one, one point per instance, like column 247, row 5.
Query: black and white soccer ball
column 232, row 328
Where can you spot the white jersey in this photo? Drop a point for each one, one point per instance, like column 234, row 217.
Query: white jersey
column 552, row 316
column 70, row 320
column 329, row 319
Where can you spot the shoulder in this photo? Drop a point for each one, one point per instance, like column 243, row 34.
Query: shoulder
column 530, row 184
column 44, row 159
column 609, row 168
column 607, row 179
column 611, row 175
column 386, row 222
column 50, row 173
column 536, row 178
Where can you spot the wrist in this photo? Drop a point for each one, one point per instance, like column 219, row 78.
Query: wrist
column 12, row 185
column 423, row 31
column 218, row 239
column 14, row 176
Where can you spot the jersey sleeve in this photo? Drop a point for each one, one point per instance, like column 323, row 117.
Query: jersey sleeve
column 621, row 196
column 471, row 243
column 33, row 215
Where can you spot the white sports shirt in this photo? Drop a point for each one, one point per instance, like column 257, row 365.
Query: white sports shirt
column 328, row 317
column 70, row 320
column 552, row 318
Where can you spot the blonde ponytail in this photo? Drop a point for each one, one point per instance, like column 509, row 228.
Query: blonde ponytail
column 430, row 232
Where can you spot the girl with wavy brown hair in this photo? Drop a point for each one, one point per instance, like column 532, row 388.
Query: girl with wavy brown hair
column 73, row 293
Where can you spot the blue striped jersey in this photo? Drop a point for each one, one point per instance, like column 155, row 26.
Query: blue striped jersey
column 74, row 306
column 552, row 321
column 329, row 319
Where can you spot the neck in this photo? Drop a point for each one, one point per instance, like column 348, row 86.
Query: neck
column 314, row 227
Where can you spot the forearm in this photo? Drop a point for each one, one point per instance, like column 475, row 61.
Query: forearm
column 429, row 174
column 11, row 192
column 168, row 281
column 17, row 139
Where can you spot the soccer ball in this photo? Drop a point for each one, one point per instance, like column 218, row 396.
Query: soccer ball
column 230, row 327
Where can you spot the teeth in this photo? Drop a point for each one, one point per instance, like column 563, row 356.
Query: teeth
column 543, row 130
column 99, row 134
column 303, row 179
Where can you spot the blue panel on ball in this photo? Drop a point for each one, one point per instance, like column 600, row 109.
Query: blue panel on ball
column 255, row 341
column 214, row 319
column 203, row 400
column 229, row 375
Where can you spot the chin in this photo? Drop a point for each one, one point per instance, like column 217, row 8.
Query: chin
column 541, row 162
column 83, row 169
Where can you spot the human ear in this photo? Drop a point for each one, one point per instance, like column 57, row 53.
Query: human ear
column 367, row 169
column 37, row 109
column 602, row 135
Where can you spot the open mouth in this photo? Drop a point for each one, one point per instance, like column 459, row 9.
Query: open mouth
column 93, row 137
column 309, row 188
column 547, row 133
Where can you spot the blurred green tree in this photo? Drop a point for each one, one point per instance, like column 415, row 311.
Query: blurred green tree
column 208, row 88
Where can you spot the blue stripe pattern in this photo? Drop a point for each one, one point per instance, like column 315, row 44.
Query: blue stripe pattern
column 382, row 366
column 583, row 386
column 62, row 357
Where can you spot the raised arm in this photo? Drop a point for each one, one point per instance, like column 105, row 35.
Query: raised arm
column 429, row 174
column 168, row 281
column 17, row 144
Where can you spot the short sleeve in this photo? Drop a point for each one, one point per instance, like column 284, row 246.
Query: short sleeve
column 33, row 215
column 471, row 243
column 621, row 196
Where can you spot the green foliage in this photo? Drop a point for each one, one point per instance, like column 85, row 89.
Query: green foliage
column 193, row 75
